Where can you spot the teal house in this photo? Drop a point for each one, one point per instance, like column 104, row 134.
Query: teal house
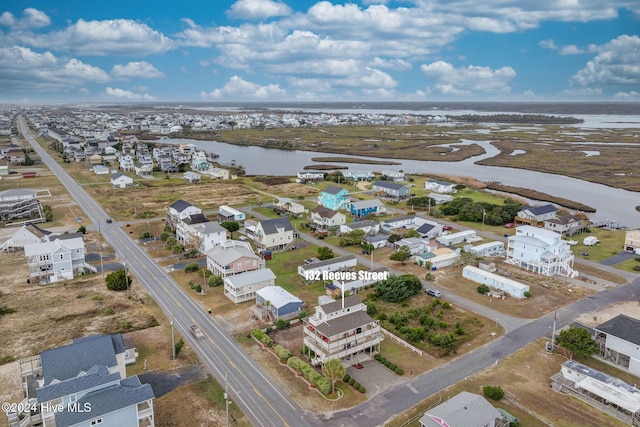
column 335, row 198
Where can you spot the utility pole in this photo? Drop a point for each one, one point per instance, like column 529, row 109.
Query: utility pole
column 100, row 243
column 173, row 338
column 226, row 396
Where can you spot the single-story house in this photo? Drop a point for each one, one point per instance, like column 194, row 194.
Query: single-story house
column 313, row 271
column 486, row 249
column 495, row 281
column 530, row 214
column 455, row 238
column 119, row 180
column 369, row 227
column 378, row 241
column 358, row 175
column 227, row 213
column 308, row 176
column 438, row 258
column 279, row 302
column 440, row 186
column 100, row 170
column 287, row 205
column 192, row 177
column 415, row 245
column 464, row 409
column 393, row 175
column 440, row 198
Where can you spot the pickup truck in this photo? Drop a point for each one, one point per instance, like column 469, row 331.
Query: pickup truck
column 196, row 332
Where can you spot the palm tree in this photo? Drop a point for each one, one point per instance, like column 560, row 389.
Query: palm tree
column 334, row 370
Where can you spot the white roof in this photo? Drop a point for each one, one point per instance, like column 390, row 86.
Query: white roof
column 228, row 210
column 277, row 296
column 497, row 277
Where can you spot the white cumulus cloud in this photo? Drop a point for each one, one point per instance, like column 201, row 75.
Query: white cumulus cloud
column 31, row 18
column 127, row 94
column 22, row 69
column 446, row 79
column 140, row 69
column 617, row 63
column 258, row 9
column 238, row 88
column 123, row 37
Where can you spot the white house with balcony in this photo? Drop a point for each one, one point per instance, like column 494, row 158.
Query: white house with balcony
column 540, row 251
column 325, row 218
column 233, row 257
column 342, row 330
column 440, row 186
column 243, row 287
column 58, row 258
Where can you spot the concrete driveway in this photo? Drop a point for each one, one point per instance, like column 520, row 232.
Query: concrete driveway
column 375, row 377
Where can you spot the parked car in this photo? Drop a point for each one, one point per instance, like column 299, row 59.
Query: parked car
column 447, row 228
column 433, row 292
column 509, row 225
column 109, row 221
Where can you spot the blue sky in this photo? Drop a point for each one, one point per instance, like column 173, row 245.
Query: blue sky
column 273, row 50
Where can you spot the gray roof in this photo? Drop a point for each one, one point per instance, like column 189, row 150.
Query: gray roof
column 209, row 227
column 270, row 226
column 623, row 327
column 462, row 410
column 250, row 277
column 349, row 301
column 116, row 175
column 344, row 323
column 435, row 181
column 376, row 238
column 389, row 184
column 66, row 362
column 127, row 392
column 361, row 224
column 332, row 189
column 180, row 205
column 226, row 256
column 324, row 212
column 398, row 219
column 196, row 219
column 36, row 231
column 330, row 261
column 540, row 210
column 363, row 204
column 95, row 376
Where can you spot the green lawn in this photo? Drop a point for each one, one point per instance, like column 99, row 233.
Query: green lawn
column 628, row 265
column 285, row 267
column 611, row 242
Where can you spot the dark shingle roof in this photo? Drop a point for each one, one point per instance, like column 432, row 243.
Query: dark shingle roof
column 68, row 236
column 270, row 226
column 332, row 189
column 337, row 305
column 389, row 184
column 66, row 362
column 623, row 327
column 37, row 231
column 324, row 212
column 196, row 219
column 180, row 205
column 95, row 376
column 541, row 210
column 425, row 228
column 127, row 392
column 345, row 323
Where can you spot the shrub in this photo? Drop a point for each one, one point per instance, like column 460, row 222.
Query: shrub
column 446, row 305
column 483, row 289
column 352, row 381
column 323, row 384
column 282, row 324
column 399, row 371
column 356, row 385
column 392, row 367
column 295, row 363
column 491, row 392
column 361, row 389
column 108, row 311
column 215, row 281
column 527, row 294
column 262, row 337
column 97, row 298
column 346, row 378
column 192, row 267
column 282, row 352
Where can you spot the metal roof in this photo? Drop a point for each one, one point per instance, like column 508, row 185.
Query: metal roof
column 462, row 410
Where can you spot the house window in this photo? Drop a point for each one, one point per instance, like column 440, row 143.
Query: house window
column 96, row 422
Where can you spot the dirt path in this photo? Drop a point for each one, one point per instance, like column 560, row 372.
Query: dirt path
column 629, row 308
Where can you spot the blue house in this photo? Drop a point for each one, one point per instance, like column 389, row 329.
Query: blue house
column 281, row 304
column 83, row 384
column 335, row 198
column 362, row 208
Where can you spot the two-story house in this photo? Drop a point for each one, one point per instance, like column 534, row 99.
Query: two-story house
column 324, row 218
column 361, row 208
column 207, row 235
column 233, row 257
column 243, row 287
column 119, row 180
column 342, row 330
column 309, row 176
column 390, row 189
column 541, row 251
column 565, row 225
column 83, row 384
column 393, row 175
column 632, row 241
column 335, row 198
column 277, row 234
column 180, row 210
